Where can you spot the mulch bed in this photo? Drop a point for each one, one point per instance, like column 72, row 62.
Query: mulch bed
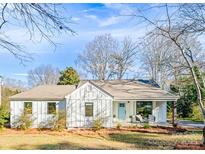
column 189, row 146
column 157, row 130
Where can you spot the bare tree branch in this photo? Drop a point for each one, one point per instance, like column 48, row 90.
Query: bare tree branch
column 43, row 75
column 43, row 20
column 2, row 15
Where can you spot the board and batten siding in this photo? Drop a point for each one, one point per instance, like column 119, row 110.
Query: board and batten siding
column 102, row 107
column 159, row 111
column 39, row 111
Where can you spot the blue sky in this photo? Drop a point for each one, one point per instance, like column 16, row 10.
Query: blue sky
column 89, row 20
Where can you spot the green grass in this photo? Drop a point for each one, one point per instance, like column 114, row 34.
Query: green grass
column 190, row 119
column 121, row 140
column 155, row 141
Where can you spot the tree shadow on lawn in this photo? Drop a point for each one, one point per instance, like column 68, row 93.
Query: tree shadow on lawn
column 60, row 146
column 144, row 141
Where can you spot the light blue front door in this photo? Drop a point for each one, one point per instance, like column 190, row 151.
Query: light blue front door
column 121, row 111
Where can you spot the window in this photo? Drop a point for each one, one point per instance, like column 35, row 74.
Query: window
column 28, row 107
column 89, row 88
column 88, row 109
column 144, row 108
column 51, row 108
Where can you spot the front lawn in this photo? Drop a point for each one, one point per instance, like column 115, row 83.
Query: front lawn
column 33, row 139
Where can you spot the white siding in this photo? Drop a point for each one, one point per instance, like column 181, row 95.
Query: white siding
column 130, row 108
column 160, row 111
column 102, row 107
column 39, row 111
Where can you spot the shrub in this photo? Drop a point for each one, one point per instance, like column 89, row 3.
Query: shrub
column 24, row 121
column 60, row 121
column 134, row 126
column 146, row 126
column 98, row 124
column 4, row 117
column 118, row 126
column 49, row 123
column 169, row 114
column 196, row 113
column 57, row 122
column 42, row 126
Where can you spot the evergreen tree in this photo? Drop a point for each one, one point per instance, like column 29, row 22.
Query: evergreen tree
column 69, row 77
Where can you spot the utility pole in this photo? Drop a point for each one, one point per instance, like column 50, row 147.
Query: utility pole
column 1, row 78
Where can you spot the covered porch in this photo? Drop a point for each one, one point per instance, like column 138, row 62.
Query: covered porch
column 141, row 111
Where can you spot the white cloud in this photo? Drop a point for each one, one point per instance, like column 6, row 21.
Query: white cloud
column 111, row 21
column 75, row 19
column 21, row 74
column 89, row 10
column 123, row 9
column 90, row 16
column 134, row 32
column 118, row 17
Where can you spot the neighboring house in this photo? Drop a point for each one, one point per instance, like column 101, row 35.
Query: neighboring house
column 113, row 101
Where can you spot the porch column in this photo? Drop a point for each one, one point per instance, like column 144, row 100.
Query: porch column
column 174, row 114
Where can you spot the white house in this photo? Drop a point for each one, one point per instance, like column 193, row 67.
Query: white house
column 113, row 101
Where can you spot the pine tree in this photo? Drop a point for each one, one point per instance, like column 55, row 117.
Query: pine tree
column 69, row 77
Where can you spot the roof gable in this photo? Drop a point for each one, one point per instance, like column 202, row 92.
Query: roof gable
column 89, row 91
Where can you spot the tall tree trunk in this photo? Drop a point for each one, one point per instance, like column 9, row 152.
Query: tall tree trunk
column 174, row 114
column 196, row 83
column 199, row 96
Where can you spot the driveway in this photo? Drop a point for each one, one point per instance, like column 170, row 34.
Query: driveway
column 187, row 123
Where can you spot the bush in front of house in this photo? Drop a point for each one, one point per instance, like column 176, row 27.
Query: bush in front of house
column 146, row 126
column 98, row 124
column 60, row 121
column 48, row 124
column 196, row 113
column 4, row 116
column 23, row 122
column 57, row 122
column 118, row 126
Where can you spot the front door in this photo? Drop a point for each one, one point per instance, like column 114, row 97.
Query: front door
column 121, row 111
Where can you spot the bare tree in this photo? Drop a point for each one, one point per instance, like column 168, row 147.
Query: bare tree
column 161, row 59
column 43, row 75
column 107, row 58
column 45, row 20
column 14, row 84
column 178, row 31
column 124, row 57
column 156, row 58
column 95, row 59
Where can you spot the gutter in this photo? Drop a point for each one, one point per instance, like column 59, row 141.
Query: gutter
column 37, row 99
